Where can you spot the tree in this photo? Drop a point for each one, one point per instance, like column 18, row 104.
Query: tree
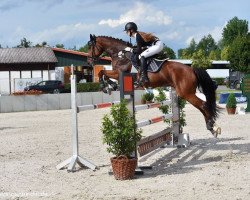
column 170, row 52
column 215, row 55
column 192, row 47
column 25, row 43
column 200, row 60
column 224, row 53
column 207, row 44
column 44, row 44
column 188, row 52
column 239, row 54
column 185, row 54
column 234, row 28
column 60, row 46
column 84, row 48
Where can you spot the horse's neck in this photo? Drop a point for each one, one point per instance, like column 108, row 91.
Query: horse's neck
column 112, row 48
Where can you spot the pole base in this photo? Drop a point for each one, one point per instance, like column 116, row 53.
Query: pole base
column 72, row 162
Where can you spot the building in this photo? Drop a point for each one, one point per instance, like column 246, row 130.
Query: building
column 218, row 69
column 21, row 63
column 20, row 67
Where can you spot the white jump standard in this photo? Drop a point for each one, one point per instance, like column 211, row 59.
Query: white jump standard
column 75, row 157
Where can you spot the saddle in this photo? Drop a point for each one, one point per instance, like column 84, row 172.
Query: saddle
column 154, row 64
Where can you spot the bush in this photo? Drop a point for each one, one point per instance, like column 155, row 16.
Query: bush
column 231, row 101
column 148, row 97
column 220, row 81
column 119, row 131
column 84, row 87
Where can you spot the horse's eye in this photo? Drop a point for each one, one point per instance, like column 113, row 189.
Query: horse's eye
column 90, row 43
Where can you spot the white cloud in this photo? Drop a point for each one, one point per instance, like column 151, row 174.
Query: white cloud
column 62, row 33
column 216, row 33
column 140, row 13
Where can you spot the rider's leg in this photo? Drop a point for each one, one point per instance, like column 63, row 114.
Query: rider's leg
column 156, row 48
column 144, row 69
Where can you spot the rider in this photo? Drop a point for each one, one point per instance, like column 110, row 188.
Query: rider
column 147, row 46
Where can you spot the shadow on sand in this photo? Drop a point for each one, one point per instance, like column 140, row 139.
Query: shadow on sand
column 185, row 160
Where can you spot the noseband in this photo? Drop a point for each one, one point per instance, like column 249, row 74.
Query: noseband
column 93, row 56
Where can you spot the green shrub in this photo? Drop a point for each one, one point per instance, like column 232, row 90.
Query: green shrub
column 231, row 101
column 219, row 81
column 119, row 131
column 84, row 87
column 148, row 96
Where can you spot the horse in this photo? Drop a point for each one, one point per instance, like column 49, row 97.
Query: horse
column 183, row 78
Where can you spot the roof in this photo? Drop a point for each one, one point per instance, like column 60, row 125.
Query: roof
column 78, row 53
column 27, row 55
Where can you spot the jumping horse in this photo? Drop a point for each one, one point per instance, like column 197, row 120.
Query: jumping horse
column 183, row 78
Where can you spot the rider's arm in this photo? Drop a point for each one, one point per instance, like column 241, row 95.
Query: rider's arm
column 139, row 42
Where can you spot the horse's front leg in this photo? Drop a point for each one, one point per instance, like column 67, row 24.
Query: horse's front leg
column 104, row 77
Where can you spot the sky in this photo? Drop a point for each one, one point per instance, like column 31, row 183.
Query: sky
column 70, row 22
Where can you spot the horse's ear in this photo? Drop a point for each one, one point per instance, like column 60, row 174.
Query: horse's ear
column 91, row 37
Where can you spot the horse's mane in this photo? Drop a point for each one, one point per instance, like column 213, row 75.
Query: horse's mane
column 115, row 39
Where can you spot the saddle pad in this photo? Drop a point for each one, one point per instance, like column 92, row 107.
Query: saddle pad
column 154, row 65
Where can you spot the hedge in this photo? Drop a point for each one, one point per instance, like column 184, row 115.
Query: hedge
column 83, row 87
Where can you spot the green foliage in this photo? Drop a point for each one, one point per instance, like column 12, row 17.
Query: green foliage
column 84, row 48
column 215, row 55
column 239, row 54
column 25, row 43
column 231, row 101
column 84, row 87
column 170, row 52
column 200, row 60
column 119, row 131
column 220, row 81
column 60, row 46
column 165, row 109
column 224, row 53
column 184, row 54
column 148, row 96
column 207, row 44
column 162, row 97
column 234, row 28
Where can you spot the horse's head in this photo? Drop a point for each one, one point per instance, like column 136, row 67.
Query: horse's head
column 94, row 50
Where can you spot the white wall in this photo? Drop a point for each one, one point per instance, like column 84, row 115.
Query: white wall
column 218, row 73
column 4, row 78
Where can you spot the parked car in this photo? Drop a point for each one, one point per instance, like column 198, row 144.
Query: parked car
column 235, row 78
column 47, row 87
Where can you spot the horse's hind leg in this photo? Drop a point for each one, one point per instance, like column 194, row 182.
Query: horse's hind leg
column 201, row 105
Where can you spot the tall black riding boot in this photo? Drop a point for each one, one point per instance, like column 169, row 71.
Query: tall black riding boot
column 144, row 69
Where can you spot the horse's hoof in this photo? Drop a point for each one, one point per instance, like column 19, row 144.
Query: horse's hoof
column 105, row 90
column 216, row 131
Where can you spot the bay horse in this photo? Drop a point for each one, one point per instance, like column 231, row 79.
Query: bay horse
column 183, row 78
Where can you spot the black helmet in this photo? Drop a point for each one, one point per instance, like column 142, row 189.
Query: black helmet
column 130, row 26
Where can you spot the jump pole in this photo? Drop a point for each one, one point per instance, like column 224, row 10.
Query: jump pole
column 75, row 158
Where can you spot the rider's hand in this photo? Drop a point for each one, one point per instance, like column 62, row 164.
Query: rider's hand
column 121, row 54
column 128, row 49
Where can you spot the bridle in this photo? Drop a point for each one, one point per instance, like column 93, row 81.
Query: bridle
column 94, row 58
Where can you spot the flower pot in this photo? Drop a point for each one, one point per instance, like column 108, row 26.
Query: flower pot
column 231, row 111
column 143, row 101
column 123, row 167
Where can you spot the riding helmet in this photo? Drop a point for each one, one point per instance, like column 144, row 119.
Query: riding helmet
column 130, row 26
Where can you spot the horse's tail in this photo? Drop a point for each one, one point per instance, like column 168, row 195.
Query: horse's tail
column 208, row 87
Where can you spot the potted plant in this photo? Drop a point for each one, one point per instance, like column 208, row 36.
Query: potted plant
column 231, row 104
column 121, row 135
column 147, row 97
